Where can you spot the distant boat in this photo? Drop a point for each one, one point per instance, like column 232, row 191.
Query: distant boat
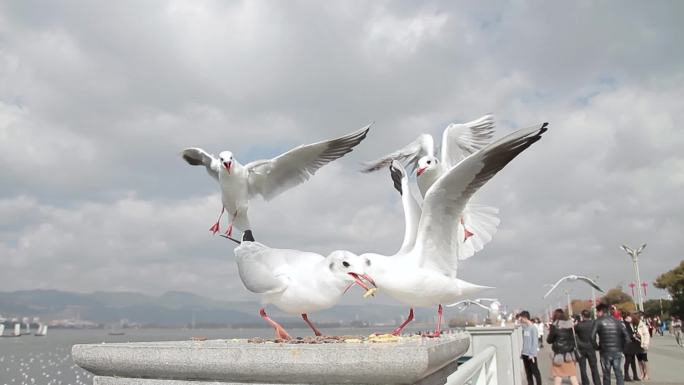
column 2, row 329
column 16, row 332
column 28, row 328
column 42, row 331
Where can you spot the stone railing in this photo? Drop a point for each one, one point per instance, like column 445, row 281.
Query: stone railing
column 425, row 361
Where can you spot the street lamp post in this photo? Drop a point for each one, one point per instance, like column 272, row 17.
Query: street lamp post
column 635, row 264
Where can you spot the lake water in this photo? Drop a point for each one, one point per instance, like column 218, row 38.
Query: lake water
column 47, row 360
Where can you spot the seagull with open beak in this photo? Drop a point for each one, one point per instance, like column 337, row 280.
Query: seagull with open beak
column 298, row 282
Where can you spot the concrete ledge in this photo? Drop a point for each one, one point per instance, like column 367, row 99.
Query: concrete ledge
column 410, row 361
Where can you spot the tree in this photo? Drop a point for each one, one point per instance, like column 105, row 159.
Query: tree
column 622, row 301
column 652, row 307
column 673, row 282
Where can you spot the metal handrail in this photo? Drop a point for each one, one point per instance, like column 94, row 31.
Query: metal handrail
column 478, row 370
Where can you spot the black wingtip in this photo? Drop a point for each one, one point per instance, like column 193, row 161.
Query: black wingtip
column 247, row 236
column 397, row 175
column 544, row 127
column 231, row 238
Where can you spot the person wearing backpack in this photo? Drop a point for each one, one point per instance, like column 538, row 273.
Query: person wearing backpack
column 562, row 340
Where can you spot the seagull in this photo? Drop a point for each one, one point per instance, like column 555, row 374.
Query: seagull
column 298, row 282
column 478, row 223
column 423, row 271
column 573, row 278
column 269, row 177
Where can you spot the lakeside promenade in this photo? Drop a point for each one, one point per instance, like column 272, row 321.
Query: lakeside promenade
column 665, row 359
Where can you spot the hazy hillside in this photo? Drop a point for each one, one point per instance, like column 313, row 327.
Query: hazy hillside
column 171, row 308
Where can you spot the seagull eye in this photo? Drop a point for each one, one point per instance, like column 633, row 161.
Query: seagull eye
column 331, row 266
column 345, row 264
column 429, row 161
column 367, row 262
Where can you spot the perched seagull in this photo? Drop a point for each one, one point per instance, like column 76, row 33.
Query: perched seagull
column 423, row 271
column 268, row 178
column 298, row 282
column 478, row 223
column 573, row 278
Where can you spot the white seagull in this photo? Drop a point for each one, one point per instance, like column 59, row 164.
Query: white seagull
column 423, row 271
column 478, row 223
column 269, row 177
column 573, row 278
column 298, row 282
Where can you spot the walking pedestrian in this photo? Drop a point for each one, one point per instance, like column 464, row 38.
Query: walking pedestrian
column 631, row 348
column 644, row 336
column 612, row 337
column 530, row 348
column 676, row 329
column 586, row 349
column 540, row 331
column 562, row 342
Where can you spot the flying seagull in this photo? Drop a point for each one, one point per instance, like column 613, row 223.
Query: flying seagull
column 269, row 177
column 423, row 272
column 298, row 282
column 632, row 252
column 573, row 278
column 458, row 142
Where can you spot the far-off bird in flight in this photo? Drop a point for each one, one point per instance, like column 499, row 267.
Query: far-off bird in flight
column 573, row 278
column 269, row 177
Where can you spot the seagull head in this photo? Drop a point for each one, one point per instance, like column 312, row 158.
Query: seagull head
column 349, row 268
column 426, row 164
column 226, row 159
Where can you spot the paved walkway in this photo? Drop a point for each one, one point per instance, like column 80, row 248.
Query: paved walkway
column 665, row 359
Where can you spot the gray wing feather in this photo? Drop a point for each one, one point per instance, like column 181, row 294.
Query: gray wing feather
column 269, row 178
column 198, row 157
column 409, row 155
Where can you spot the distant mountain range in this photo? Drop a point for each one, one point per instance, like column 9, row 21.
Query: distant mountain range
column 172, row 308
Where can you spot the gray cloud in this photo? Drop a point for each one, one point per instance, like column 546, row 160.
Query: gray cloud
column 96, row 101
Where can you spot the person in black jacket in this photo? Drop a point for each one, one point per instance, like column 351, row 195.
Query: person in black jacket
column 631, row 349
column 562, row 340
column 586, row 348
column 612, row 337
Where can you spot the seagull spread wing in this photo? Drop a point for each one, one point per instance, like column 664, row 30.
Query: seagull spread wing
column 424, row 145
column 269, row 178
column 590, row 282
column 266, row 270
column 461, row 140
column 446, row 198
column 411, row 208
column 627, row 249
column 554, row 286
column 197, row 156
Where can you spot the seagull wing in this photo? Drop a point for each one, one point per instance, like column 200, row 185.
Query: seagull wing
column 446, row 198
column 461, row 140
column 197, row 157
column 590, row 282
column 554, row 286
column 422, row 146
column 641, row 248
column 269, row 178
column 266, row 270
column 412, row 210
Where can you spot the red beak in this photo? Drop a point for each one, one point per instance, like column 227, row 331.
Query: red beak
column 359, row 282
column 420, row 171
column 227, row 165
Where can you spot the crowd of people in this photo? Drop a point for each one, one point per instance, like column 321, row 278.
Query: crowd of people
column 621, row 339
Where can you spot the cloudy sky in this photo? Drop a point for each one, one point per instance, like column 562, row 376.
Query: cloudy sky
column 98, row 98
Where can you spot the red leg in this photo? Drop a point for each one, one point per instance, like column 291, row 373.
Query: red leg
column 229, row 232
column 467, row 233
column 280, row 332
column 215, row 228
column 438, row 331
column 401, row 327
column 311, row 325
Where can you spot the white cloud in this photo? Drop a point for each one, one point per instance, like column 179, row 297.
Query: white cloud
column 93, row 113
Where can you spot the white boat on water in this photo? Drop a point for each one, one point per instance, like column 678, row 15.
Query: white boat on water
column 42, row 331
column 2, row 329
